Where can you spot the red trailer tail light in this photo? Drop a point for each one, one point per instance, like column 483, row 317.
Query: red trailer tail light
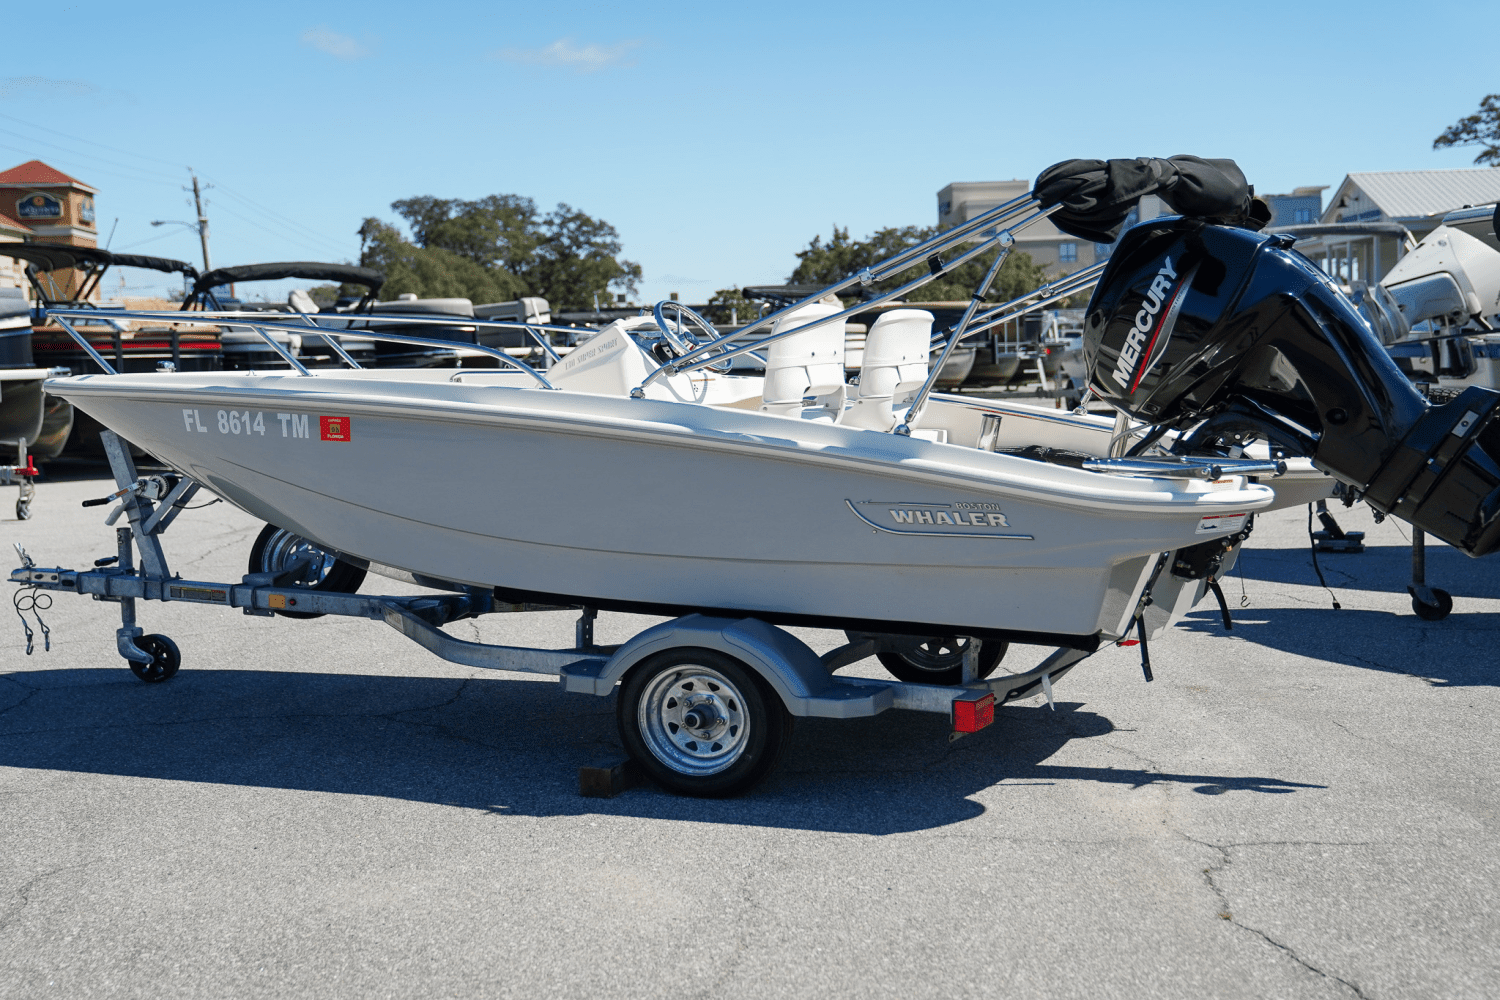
column 972, row 712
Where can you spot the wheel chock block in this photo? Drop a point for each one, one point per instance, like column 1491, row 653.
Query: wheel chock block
column 607, row 779
column 1352, row 541
column 972, row 712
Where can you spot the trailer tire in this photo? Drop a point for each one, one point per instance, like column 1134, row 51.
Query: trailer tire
column 166, row 658
column 1433, row 612
column 275, row 549
column 701, row 723
column 936, row 659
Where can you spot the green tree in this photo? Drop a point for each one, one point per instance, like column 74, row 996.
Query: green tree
column 577, row 256
column 324, row 296
column 1479, row 129
column 565, row 256
column 431, row 272
column 825, row 263
column 729, row 305
column 498, row 230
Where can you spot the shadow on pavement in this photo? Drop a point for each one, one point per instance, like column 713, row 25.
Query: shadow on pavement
column 1455, row 652
column 1379, row 567
column 512, row 747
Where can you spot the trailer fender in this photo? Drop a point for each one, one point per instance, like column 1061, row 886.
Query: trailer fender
column 787, row 664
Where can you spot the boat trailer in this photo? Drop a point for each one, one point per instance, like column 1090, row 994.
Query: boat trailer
column 706, row 703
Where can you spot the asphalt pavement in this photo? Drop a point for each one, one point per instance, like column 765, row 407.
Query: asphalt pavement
column 1302, row 807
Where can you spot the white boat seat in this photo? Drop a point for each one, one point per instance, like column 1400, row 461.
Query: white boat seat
column 810, row 363
column 300, row 301
column 893, row 368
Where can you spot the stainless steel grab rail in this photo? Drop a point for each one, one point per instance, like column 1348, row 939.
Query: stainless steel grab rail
column 263, row 328
column 1184, row 468
column 717, row 351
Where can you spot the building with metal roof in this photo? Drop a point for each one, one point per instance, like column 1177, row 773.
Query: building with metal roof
column 1414, row 199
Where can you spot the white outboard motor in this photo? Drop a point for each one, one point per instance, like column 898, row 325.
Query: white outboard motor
column 1450, row 277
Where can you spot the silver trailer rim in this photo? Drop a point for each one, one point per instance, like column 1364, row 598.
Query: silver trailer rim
column 284, row 548
column 693, row 720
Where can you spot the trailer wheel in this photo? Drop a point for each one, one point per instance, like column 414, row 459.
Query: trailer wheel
column 1433, row 612
column 918, row 659
column 276, row 548
column 165, row 659
column 23, row 510
column 701, row 723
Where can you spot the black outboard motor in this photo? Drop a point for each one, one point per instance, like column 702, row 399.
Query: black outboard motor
column 1198, row 323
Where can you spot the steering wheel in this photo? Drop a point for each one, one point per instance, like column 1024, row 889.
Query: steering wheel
column 684, row 340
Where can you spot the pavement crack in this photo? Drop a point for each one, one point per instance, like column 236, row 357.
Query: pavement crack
column 1226, row 913
column 23, row 894
column 32, row 693
column 457, row 694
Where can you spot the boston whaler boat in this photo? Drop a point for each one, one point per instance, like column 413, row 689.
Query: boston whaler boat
column 932, row 529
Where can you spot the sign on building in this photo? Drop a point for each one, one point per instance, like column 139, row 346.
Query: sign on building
column 39, row 206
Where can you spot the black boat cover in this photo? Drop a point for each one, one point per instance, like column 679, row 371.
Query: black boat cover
column 50, row 257
column 368, row 277
column 155, row 264
column 1097, row 195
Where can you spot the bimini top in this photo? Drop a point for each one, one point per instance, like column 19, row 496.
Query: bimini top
column 366, row 276
column 49, row 257
column 43, row 258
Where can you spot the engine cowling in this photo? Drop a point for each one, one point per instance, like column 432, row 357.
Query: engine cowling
column 1228, row 334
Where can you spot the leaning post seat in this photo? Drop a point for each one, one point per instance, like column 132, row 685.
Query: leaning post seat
column 894, row 367
column 810, row 363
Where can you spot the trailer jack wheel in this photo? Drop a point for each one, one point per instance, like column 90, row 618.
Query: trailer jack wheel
column 1433, row 612
column 701, row 723
column 165, row 659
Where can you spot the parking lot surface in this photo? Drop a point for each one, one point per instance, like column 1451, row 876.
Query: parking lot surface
column 1302, row 807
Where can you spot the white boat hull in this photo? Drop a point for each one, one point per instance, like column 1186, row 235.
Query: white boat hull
column 669, row 504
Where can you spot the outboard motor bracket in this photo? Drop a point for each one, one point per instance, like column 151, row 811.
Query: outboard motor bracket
column 1444, row 477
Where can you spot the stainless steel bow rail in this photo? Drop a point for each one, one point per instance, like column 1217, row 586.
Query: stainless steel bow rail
column 805, row 683
column 306, row 325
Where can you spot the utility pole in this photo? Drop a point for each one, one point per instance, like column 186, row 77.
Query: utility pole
column 202, row 222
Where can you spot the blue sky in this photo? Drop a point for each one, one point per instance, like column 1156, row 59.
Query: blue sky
column 718, row 139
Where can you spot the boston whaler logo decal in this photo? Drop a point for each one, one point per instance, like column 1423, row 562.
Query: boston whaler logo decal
column 980, row 519
column 1153, row 327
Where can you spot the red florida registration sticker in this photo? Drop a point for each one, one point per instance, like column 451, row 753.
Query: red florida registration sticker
column 334, row 428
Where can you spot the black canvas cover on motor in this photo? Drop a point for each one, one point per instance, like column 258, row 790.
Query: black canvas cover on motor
column 316, row 270
column 1097, row 195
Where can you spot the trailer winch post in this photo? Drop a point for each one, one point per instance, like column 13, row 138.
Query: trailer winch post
column 153, row 560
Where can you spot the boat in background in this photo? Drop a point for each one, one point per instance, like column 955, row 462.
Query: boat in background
column 22, row 402
column 244, row 349
column 131, row 345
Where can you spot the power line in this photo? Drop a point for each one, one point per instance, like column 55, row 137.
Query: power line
column 141, row 180
column 90, row 142
column 73, row 152
column 153, row 239
column 295, row 231
column 316, row 234
column 291, row 236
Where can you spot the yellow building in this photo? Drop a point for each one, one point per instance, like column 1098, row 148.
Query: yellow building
column 48, row 206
